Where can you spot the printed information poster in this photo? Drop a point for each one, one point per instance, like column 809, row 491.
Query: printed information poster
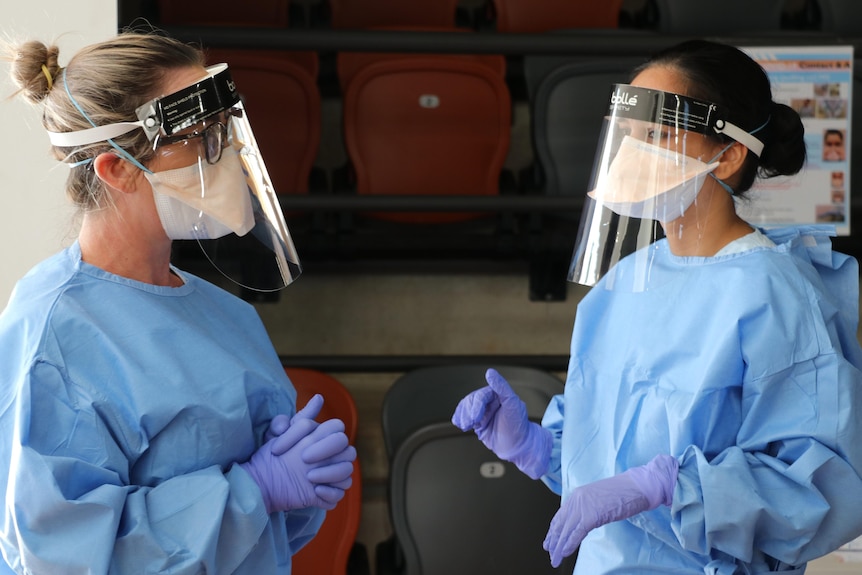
column 817, row 82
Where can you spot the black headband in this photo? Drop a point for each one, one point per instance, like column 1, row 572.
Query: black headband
column 212, row 95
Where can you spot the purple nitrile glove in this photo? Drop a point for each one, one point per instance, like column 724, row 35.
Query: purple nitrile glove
column 333, row 455
column 333, row 476
column 281, row 422
column 287, row 480
column 499, row 418
column 619, row 497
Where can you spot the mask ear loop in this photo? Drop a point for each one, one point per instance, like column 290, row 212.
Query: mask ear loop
column 728, row 129
column 122, row 152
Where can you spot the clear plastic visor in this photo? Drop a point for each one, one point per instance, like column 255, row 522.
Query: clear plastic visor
column 215, row 168
column 655, row 152
column 208, row 160
column 210, row 183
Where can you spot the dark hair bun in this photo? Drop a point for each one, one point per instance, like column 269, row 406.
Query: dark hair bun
column 784, row 150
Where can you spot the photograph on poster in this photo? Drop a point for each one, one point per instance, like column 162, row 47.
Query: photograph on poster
column 838, row 180
column 834, row 149
column 805, row 107
column 831, row 108
column 837, row 196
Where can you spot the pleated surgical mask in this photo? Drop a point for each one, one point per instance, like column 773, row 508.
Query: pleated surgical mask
column 648, row 181
column 203, row 201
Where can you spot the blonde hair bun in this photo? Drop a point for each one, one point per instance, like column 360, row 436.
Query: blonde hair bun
column 34, row 69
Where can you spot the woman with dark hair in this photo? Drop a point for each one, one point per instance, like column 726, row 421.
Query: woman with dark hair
column 711, row 416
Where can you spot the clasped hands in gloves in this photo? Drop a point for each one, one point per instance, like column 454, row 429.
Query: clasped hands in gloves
column 499, row 418
column 303, row 463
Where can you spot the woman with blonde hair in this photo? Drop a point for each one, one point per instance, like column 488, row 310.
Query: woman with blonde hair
column 146, row 422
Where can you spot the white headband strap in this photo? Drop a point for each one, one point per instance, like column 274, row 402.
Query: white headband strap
column 92, row 135
column 740, row 135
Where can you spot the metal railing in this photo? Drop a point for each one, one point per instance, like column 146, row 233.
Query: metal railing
column 403, row 363
column 586, row 42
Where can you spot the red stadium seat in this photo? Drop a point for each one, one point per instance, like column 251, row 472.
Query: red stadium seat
column 266, row 13
column 280, row 95
column 330, row 550
column 349, row 63
column 374, row 13
column 534, row 16
column 426, row 124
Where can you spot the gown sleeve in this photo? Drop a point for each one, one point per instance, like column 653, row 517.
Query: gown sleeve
column 302, row 525
column 791, row 485
column 791, row 488
column 553, row 422
column 71, row 507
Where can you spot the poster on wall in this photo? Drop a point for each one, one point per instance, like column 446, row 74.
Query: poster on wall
column 817, row 82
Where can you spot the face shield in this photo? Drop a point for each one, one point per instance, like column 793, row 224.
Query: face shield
column 655, row 152
column 209, row 180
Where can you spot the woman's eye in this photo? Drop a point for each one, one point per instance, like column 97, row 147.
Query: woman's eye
column 658, row 135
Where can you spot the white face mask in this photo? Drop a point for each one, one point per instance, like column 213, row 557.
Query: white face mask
column 648, row 181
column 203, row 201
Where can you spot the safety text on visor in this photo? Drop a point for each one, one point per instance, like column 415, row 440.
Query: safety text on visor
column 212, row 95
column 677, row 111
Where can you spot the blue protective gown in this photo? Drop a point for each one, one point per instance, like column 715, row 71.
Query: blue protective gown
column 746, row 367
column 123, row 409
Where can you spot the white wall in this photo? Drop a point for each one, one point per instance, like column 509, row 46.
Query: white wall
column 35, row 219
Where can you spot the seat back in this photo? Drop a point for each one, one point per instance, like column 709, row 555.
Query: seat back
column 330, row 550
column 280, row 94
column 569, row 100
column 427, row 124
column 338, row 401
column 455, row 506
column 373, row 13
column 264, row 13
column 348, row 64
column 841, row 16
column 429, row 395
column 535, row 16
column 727, row 17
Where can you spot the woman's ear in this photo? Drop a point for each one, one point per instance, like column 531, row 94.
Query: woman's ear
column 116, row 173
column 731, row 161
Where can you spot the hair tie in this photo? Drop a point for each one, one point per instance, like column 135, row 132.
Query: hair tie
column 48, row 76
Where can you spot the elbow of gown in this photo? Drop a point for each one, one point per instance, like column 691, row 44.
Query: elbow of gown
column 792, row 488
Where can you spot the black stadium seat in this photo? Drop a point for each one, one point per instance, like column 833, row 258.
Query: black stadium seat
column 456, row 508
